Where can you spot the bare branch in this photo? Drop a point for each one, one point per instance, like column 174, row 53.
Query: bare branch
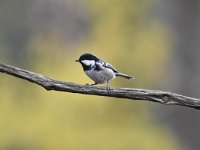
column 162, row 97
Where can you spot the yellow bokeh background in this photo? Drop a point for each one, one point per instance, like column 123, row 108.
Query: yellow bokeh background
column 122, row 33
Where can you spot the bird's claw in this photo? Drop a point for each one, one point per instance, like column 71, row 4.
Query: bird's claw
column 108, row 88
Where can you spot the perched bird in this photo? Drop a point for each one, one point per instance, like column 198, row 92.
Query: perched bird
column 98, row 70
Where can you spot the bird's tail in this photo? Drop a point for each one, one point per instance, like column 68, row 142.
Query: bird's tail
column 124, row 76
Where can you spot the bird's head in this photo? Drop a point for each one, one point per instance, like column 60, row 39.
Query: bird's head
column 87, row 60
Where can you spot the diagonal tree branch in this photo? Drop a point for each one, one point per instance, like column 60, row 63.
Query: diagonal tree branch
column 162, row 97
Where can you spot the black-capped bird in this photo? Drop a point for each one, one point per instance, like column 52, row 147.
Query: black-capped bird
column 98, row 70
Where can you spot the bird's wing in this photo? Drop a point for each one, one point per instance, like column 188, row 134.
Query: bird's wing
column 107, row 65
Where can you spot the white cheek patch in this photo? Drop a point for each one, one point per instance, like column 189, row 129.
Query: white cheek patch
column 88, row 62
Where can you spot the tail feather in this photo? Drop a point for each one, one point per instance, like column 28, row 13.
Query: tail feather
column 124, row 76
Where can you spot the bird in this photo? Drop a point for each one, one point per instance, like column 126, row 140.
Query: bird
column 98, row 70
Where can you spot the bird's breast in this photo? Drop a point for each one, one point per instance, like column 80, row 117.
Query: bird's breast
column 101, row 76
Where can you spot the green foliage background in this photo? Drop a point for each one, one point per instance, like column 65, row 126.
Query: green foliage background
column 123, row 33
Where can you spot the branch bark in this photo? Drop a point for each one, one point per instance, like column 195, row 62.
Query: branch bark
column 162, row 97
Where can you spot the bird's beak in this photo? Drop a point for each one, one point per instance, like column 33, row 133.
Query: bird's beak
column 77, row 60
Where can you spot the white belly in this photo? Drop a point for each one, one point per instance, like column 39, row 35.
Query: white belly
column 100, row 76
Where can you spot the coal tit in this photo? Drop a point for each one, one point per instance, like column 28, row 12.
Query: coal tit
column 98, row 70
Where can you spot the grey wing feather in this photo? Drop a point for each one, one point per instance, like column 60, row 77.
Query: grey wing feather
column 107, row 65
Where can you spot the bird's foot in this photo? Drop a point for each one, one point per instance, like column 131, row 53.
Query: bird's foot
column 108, row 88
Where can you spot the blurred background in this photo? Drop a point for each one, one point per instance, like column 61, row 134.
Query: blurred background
column 157, row 41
